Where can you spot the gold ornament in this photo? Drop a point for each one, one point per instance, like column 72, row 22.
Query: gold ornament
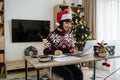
column 82, row 43
column 76, row 21
column 81, row 22
column 85, row 35
column 82, row 37
column 78, row 11
column 82, row 27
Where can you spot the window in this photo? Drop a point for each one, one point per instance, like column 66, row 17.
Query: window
column 108, row 25
column 108, row 19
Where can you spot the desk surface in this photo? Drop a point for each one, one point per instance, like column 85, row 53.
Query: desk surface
column 36, row 64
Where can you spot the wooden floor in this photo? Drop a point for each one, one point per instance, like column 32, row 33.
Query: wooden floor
column 21, row 73
column 100, row 74
column 31, row 72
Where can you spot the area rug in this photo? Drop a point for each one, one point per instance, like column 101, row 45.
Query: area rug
column 23, row 78
column 87, row 76
column 98, row 77
column 29, row 78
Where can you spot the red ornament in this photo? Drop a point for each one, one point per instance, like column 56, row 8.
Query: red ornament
column 107, row 65
column 97, row 52
column 104, row 63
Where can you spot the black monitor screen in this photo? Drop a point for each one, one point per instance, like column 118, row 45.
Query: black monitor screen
column 29, row 30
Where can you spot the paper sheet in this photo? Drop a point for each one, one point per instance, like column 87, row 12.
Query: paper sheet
column 58, row 56
column 67, row 58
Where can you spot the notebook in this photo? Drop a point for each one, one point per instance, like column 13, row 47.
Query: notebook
column 88, row 48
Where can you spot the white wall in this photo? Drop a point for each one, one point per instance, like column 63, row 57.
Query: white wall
column 26, row 9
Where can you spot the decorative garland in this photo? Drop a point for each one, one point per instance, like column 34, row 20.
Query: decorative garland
column 30, row 51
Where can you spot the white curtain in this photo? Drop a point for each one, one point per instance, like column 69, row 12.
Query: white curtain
column 108, row 25
column 108, row 19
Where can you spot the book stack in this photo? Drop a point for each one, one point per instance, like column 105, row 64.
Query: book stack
column 2, row 45
column 1, row 19
column 1, row 10
column 1, row 5
column 1, row 62
column 1, row 31
column 2, row 71
column 1, row 58
column 2, row 55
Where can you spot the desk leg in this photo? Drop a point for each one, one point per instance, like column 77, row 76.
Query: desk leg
column 94, row 72
column 26, row 70
column 38, row 74
column 51, row 75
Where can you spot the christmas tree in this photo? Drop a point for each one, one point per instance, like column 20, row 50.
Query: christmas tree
column 80, row 29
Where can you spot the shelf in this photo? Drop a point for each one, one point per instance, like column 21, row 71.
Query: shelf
column 1, row 64
column 2, row 58
column 1, row 0
column 1, row 11
column 13, row 65
column 2, row 44
column 1, row 24
column 1, row 51
column 2, row 70
column 76, row 8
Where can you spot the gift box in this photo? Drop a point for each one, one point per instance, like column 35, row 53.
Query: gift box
column 110, row 48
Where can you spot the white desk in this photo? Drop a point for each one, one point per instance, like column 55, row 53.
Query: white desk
column 38, row 65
